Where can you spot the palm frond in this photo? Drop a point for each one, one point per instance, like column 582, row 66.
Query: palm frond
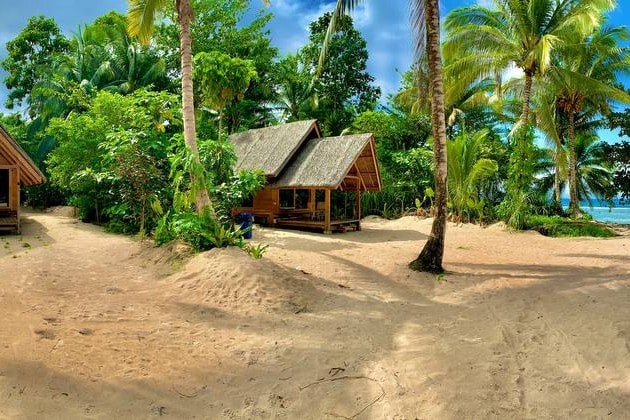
column 141, row 17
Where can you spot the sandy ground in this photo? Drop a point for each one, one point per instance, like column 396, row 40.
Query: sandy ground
column 96, row 325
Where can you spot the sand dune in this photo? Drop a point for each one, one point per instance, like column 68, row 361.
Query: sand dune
column 522, row 326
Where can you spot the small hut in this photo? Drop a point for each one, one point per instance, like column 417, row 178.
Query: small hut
column 16, row 170
column 303, row 170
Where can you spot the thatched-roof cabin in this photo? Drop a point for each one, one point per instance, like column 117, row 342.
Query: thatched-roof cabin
column 16, row 170
column 303, row 170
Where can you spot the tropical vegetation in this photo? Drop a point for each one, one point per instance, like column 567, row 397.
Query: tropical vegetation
column 129, row 116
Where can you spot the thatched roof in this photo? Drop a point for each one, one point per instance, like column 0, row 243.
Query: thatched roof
column 271, row 148
column 329, row 162
column 11, row 153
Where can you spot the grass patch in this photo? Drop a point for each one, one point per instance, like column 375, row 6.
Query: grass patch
column 557, row 226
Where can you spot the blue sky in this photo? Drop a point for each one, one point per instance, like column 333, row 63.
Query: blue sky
column 384, row 24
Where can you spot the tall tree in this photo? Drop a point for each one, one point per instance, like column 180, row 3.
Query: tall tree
column 585, row 77
column 522, row 33
column 225, row 26
column 294, row 88
column 30, row 56
column 141, row 19
column 343, row 87
column 425, row 20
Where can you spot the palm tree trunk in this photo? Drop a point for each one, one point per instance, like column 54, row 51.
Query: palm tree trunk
column 185, row 14
column 430, row 258
column 527, row 94
column 556, row 186
column 574, row 203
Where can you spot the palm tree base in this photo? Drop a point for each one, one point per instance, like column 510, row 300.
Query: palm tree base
column 430, row 259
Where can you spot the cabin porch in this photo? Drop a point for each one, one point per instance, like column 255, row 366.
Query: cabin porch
column 319, row 209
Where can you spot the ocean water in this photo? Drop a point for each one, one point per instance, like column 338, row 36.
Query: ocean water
column 619, row 214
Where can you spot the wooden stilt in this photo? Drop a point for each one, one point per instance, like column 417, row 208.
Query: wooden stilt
column 357, row 206
column 327, row 200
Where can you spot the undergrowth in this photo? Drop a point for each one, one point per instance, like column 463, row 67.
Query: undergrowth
column 557, row 226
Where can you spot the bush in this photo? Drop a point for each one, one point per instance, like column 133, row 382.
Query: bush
column 556, row 226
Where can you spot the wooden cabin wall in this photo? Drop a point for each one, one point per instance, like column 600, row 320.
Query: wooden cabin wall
column 266, row 200
column 14, row 187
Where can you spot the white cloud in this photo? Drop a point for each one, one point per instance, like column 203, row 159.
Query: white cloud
column 513, row 72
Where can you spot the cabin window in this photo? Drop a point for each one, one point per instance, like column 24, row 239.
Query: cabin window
column 294, row 199
column 4, row 188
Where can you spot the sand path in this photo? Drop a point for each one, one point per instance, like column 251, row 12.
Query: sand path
column 522, row 326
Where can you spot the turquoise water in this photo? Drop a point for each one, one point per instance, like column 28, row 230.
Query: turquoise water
column 600, row 211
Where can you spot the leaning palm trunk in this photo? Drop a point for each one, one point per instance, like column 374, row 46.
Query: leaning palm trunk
column 430, row 258
column 556, row 186
column 527, row 94
column 574, row 203
column 184, row 13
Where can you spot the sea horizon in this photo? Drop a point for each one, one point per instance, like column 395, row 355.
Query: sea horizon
column 601, row 211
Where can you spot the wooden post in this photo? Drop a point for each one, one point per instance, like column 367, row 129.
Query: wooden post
column 327, row 229
column 357, row 206
column 16, row 183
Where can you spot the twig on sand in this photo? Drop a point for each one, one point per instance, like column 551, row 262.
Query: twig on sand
column 55, row 346
column 340, row 378
column 194, row 395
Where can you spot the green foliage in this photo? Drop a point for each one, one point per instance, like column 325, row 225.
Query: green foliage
column 618, row 155
column 559, row 226
column 221, row 79
column 222, row 26
column 229, row 189
column 517, row 203
column 30, row 55
column 257, row 251
column 344, row 88
column 404, row 158
column 112, row 159
column 483, row 41
column 295, row 97
column 467, row 169
column 620, row 121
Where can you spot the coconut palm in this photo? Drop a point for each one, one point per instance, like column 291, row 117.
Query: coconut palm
column 594, row 175
column 584, row 79
column 425, row 20
column 295, row 92
column 466, row 170
column 524, row 33
column 458, row 99
column 141, row 18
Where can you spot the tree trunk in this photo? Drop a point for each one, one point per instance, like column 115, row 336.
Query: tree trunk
column 556, row 186
column 527, row 94
column 430, row 258
column 184, row 14
column 574, row 203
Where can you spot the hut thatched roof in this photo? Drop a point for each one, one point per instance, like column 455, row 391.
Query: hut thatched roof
column 11, row 153
column 327, row 162
column 271, row 148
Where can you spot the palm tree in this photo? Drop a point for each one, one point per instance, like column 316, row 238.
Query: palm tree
column 584, row 79
column 141, row 19
column 594, row 175
column 517, row 32
column 466, row 170
column 425, row 20
column 295, row 92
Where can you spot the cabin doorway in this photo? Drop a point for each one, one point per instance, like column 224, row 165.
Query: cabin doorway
column 4, row 188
